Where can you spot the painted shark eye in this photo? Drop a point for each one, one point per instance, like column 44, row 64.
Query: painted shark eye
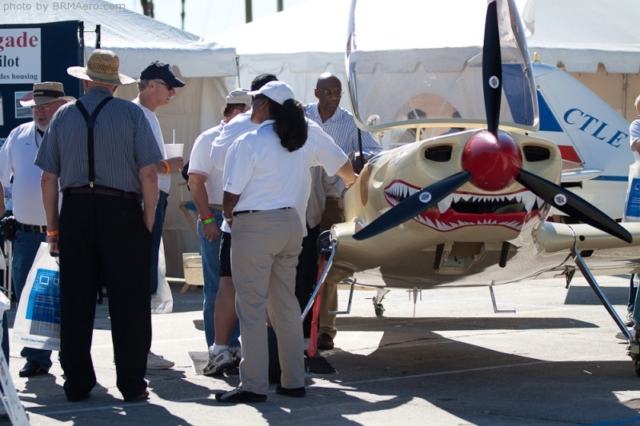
column 536, row 153
column 441, row 154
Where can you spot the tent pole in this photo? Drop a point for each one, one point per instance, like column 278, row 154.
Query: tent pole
column 248, row 11
column 624, row 96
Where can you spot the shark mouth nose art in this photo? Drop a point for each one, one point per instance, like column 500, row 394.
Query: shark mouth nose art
column 460, row 209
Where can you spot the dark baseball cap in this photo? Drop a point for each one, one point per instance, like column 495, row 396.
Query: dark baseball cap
column 159, row 71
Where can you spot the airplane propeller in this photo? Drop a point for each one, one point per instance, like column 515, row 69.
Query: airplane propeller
column 492, row 160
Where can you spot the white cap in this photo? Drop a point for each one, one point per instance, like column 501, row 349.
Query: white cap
column 239, row 96
column 277, row 91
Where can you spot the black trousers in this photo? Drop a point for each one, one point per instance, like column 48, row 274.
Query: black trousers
column 307, row 274
column 103, row 240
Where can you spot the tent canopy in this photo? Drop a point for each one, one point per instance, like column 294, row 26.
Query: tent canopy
column 138, row 40
column 579, row 33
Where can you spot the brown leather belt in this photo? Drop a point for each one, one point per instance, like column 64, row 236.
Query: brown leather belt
column 101, row 191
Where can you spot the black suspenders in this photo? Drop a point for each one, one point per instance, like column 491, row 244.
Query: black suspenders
column 90, row 120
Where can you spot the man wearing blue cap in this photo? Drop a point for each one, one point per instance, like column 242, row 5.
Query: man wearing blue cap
column 157, row 87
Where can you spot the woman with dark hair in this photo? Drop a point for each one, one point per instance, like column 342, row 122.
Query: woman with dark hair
column 267, row 183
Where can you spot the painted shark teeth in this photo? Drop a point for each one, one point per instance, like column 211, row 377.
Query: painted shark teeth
column 400, row 191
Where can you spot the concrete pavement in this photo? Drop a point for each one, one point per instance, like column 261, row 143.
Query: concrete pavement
column 554, row 362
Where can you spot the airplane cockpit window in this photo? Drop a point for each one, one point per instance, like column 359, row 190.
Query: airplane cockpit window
column 431, row 61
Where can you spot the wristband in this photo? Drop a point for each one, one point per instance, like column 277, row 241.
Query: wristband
column 166, row 164
column 208, row 220
column 209, row 216
column 52, row 233
column 227, row 219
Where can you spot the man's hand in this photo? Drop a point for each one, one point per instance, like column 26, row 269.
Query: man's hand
column 53, row 245
column 210, row 231
column 176, row 164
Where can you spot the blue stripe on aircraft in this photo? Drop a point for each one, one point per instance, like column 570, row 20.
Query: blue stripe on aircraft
column 613, row 178
column 548, row 122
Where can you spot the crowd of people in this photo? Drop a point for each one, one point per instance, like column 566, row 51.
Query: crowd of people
column 265, row 182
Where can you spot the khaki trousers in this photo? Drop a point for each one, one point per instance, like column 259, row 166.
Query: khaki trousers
column 327, row 323
column 264, row 253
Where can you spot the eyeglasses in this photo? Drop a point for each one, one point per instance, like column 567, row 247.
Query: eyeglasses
column 326, row 92
column 42, row 108
column 169, row 88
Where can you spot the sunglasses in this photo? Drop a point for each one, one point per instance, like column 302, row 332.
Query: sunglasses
column 169, row 88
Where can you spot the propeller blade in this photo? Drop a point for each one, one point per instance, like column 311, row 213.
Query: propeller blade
column 413, row 205
column 492, row 68
column 572, row 205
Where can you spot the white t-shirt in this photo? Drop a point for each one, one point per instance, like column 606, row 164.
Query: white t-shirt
column 240, row 125
column 164, row 179
column 237, row 127
column 17, row 158
column 201, row 163
column 267, row 176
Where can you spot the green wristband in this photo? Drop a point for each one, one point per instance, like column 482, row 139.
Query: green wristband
column 207, row 221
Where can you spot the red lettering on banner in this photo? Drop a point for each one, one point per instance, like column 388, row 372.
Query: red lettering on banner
column 21, row 41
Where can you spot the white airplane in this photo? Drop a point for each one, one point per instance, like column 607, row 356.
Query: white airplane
column 470, row 204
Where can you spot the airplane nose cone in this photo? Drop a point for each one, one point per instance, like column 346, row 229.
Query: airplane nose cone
column 493, row 162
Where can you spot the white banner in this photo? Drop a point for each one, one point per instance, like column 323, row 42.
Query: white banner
column 20, row 60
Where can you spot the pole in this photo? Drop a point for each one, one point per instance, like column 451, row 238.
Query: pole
column 248, row 11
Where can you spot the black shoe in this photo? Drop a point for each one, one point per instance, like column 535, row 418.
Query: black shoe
column 31, row 369
column 141, row 397
column 239, row 396
column 325, row 342
column 294, row 392
column 78, row 398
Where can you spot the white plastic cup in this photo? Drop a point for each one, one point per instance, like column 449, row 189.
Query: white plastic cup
column 174, row 149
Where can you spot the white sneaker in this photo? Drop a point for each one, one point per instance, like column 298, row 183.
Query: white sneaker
column 628, row 320
column 620, row 335
column 157, row 362
column 218, row 364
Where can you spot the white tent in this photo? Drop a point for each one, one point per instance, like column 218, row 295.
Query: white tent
column 596, row 41
column 208, row 69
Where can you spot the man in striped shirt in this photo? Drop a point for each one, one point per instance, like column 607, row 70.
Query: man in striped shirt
column 103, row 233
column 340, row 125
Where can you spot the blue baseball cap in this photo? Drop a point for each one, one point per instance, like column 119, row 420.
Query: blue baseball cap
column 159, row 71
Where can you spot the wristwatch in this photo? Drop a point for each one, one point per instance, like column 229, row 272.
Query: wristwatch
column 227, row 219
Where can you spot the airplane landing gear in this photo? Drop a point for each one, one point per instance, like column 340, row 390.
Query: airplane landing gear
column 378, row 307
column 634, row 347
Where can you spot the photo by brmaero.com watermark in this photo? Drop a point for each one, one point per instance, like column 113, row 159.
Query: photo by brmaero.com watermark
column 48, row 6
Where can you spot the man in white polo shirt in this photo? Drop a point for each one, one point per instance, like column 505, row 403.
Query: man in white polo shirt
column 156, row 87
column 205, row 182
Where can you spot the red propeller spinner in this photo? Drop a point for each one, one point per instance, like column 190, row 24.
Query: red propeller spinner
column 493, row 162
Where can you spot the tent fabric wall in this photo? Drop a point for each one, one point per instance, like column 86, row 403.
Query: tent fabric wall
column 596, row 41
column 208, row 68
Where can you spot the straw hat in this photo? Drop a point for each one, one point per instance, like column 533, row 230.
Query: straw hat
column 102, row 67
column 45, row 92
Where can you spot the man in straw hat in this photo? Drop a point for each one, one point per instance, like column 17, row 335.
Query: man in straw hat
column 16, row 165
column 157, row 87
column 104, row 153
